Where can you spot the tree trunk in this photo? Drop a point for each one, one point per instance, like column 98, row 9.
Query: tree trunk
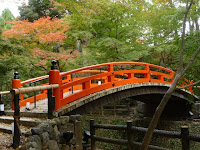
column 158, row 113
column 165, row 99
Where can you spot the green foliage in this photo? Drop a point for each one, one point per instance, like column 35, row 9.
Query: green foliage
column 108, row 30
column 6, row 16
column 37, row 9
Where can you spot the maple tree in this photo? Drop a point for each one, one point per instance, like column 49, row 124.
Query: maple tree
column 45, row 58
column 43, row 30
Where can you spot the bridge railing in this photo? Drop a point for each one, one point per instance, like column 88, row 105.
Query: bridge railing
column 87, row 80
column 17, row 83
column 104, row 76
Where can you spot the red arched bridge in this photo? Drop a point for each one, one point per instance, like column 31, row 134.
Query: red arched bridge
column 103, row 82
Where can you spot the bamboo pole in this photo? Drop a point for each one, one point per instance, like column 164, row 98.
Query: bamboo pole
column 33, row 89
column 4, row 92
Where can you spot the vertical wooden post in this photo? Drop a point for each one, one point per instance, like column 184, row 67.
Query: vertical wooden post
column 147, row 75
column 72, row 81
column 86, row 85
column 196, row 107
column 102, row 110
column 129, row 135
column 51, row 104
column 35, row 96
column 1, row 105
column 54, row 78
column 114, row 110
column 78, row 135
column 16, row 138
column 130, row 75
column 16, row 83
column 161, row 78
column 92, row 133
column 128, row 108
column 184, row 138
column 111, row 69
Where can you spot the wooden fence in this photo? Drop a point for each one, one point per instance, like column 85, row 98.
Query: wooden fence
column 184, row 136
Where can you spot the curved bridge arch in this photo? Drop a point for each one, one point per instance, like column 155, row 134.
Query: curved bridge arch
column 150, row 93
column 83, row 82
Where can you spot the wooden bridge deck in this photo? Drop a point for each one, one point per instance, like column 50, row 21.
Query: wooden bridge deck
column 42, row 105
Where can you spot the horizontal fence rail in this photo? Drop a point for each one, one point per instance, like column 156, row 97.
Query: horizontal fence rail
column 184, row 135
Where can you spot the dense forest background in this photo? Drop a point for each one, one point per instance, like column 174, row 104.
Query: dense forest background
column 79, row 33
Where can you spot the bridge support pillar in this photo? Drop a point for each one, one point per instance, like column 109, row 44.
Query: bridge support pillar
column 54, row 78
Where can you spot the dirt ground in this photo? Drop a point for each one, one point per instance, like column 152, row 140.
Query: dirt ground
column 5, row 141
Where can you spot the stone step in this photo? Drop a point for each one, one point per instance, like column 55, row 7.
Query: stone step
column 25, row 121
column 28, row 114
column 6, row 128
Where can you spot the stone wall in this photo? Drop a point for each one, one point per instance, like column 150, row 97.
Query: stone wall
column 62, row 133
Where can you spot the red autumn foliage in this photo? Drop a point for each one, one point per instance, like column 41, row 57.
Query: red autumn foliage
column 45, row 56
column 43, row 30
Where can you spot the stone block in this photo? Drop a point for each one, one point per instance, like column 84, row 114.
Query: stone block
column 78, row 117
column 36, row 139
column 45, row 140
column 37, row 130
column 64, row 119
column 53, row 145
column 28, row 144
column 72, row 118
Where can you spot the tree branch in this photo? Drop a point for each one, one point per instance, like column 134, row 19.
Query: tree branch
column 195, row 83
column 180, row 66
column 191, row 60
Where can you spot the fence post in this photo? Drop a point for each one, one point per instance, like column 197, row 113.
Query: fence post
column 78, row 135
column 196, row 112
column 16, row 83
column 51, row 104
column 129, row 135
column 92, row 133
column 54, row 78
column 1, row 105
column 184, row 138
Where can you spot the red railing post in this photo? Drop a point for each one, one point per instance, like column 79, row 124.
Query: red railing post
column 54, row 78
column 16, row 83
column 161, row 78
column 111, row 69
column 86, row 85
column 147, row 75
column 131, row 75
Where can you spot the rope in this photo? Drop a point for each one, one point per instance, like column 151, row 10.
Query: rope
column 16, row 118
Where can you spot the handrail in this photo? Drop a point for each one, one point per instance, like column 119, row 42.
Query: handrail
column 91, row 79
column 33, row 89
column 34, row 79
column 4, row 92
column 115, row 63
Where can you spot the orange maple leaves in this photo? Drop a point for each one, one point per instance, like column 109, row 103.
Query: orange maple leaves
column 44, row 30
column 45, row 56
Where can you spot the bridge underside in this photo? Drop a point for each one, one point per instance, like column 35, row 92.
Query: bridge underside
column 149, row 93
